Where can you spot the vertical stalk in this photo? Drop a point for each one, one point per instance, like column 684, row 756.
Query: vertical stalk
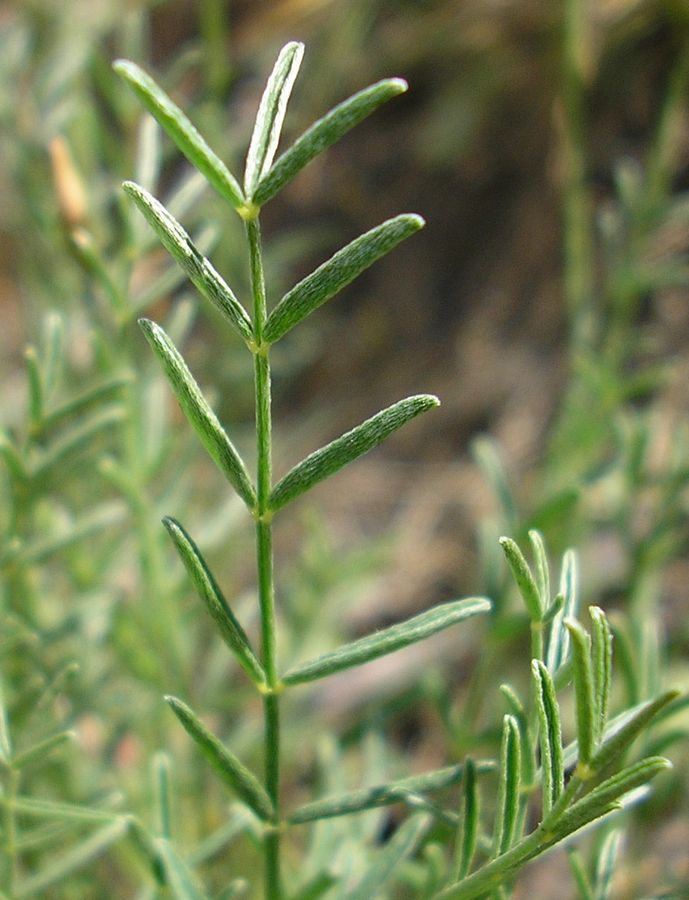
column 579, row 255
column 10, row 829
column 264, row 561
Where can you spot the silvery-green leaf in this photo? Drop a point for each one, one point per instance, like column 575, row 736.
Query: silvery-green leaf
column 198, row 269
column 601, row 657
column 341, row 269
column 467, row 832
column 382, row 794
column 182, row 132
column 507, row 812
column 343, row 450
column 552, row 760
column 54, row 809
column 323, row 133
column 605, row 865
column 5, row 741
column 388, row 640
column 62, row 866
column 558, row 644
column 400, row 846
column 40, row 751
column 229, row 768
column 178, row 876
column 597, row 801
column 271, row 114
column 194, row 405
column 621, row 737
column 524, row 578
column 542, row 567
column 232, row 632
column 583, row 690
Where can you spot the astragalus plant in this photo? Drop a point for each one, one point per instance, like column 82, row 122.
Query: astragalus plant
column 477, row 866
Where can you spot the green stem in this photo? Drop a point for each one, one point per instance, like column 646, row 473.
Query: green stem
column 578, row 250
column 10, row 829
column 537, row 648
column 495, row 872
column 264, row 560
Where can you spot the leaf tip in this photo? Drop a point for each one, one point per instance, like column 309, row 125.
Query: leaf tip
column 132, row 189
column 122, row 67
column 148, row 326
column 170, row 524
column 293, row 47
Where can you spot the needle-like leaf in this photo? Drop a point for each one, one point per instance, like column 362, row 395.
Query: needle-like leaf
column 343, row 450
column 507, row 813
column 333, row 275
column 182, row 132
column 583, row 690
column 40, row 751
column 5, row 740
column 72, row 860
column 229, row 768
column 161, row 786
column 388, row 640
column 622, row 737
column 271, row 113
column 232, row 632
column 76, row 440
column 558, row 645
column 605, row 866
column 524, row 578
column 467, row 833
column 64, row 812
column 542, row 567
column 178, row 876
column 383, row 794
column 204, row 421
column 552, row 760
column 325, row 132
column 197, row 268
column 597, row 801
column 601, row 655
column 401, row 845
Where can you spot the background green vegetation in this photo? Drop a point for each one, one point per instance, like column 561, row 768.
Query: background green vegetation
column 545, row 303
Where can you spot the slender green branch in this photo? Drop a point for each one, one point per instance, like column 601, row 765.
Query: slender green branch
column 9, row 820
column 579, row 250
column 264, row 561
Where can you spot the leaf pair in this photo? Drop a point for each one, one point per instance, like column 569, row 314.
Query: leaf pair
column 356, row 653
column 313, row 469
column 262, row 179
column 305, row 297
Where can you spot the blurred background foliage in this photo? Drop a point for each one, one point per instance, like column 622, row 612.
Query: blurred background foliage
column 547, row 145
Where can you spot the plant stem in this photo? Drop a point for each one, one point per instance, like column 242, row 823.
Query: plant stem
column 264, row 561
column 578, row 251
column 10, row 828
